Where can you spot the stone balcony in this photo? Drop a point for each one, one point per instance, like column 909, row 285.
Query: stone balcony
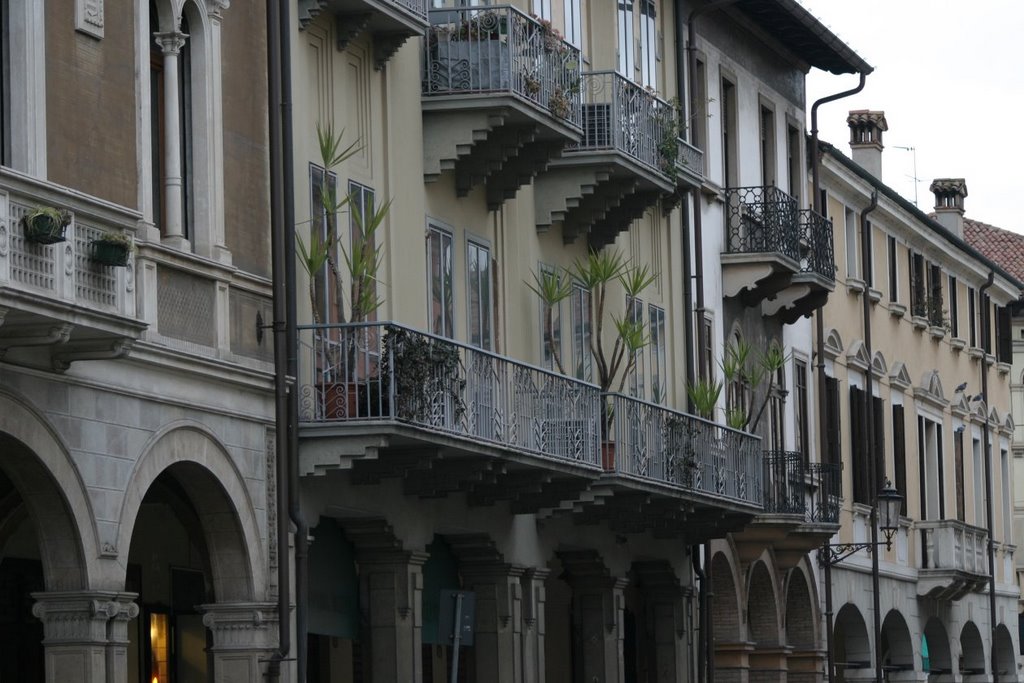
column 501, row 99
column 629, row 158
column 57, row 303
column 389, row 22
column 953, row 559
column 383, row 401
column 801, row 508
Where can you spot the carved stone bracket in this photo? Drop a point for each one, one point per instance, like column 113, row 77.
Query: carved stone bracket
column 241, row 625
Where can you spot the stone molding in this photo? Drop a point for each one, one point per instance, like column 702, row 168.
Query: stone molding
column 241, row 625
column 80, row 617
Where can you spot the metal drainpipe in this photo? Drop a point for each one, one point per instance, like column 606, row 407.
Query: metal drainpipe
column 873, row 464
column 691, row 374
column 819, row 342
column 698, row 228
column 279, row 331
column 292, row 341
column 986, row 335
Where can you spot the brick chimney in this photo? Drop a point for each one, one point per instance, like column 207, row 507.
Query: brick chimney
column 949, row 203
column 866, row 128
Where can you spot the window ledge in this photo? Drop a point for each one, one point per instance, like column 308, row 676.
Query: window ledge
column 874, row 294
column 975, row 353
column 919, row 321
column 937, row 331
column 1003, row 368
column 957, row 343
column 855, row 285
column 897, row 310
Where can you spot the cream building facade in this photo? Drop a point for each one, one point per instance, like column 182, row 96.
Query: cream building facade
column 137, row 412
column 442, row 449
column 934, row 358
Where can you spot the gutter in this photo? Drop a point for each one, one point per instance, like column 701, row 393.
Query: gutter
column 986, row 336
column 691, row 373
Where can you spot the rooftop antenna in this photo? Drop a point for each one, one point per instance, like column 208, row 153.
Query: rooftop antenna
column 917, row 180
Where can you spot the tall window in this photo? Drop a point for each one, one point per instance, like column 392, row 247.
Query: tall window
column 863, row 450
column 626, row 49
column 550, row 337
column 582, row 359
column 918, row 293
column 958, row 465
column 933, row 504
column 767, row 146
column 1007, row 501
column 936, row 311
column 954, row 308
column 439, row 281
column 659, row 360
column 979, row 485
column 360, row 213
column 323, row 228
column 802, row 440
column 972, row 316
column 833, row 426
column 794, row 162
column 707, row 368
column 850, row 225
column 649, row 43
column 899, row 452
column 1004, row 335
column 869, row 263
column 635, row 311
column 478, row 296
column 777, row 412
column 894, row 276
column 542, row 8
column 699, row 115
column 573, row 22
column 730, row 162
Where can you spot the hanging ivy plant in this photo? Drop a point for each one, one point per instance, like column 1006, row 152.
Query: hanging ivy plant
column 427, row 374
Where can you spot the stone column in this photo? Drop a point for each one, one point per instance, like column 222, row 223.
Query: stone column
column 217, row 239
column 172, row 225
column 666, row 615
column 121, row 609
column 244, row 637
column 533, row 625
column 75, row 634
column 497, row 641
column 391, row 581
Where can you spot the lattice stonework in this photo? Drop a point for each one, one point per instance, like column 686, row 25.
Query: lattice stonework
column 185, row 307
column 33, row 265
column 94, row 283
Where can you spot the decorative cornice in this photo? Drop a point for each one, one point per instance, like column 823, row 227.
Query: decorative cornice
column 80, row 617
column 241, row 625
column 170, row 42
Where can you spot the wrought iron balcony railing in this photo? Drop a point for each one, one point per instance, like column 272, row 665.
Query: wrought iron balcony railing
column 499, row 49
column 653, row 442
column 794, row 487
column 816, row 244
column 761, row 220
column 621, row 116
column 953, row 545
column 691, row 158
column 384, row 371
column 416, row 7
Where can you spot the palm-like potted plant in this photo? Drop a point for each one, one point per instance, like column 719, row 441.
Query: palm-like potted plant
column 46, row 225
column 614, row 363
column 361, row 262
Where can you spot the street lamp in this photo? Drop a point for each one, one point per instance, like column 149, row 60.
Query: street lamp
column 888, row 505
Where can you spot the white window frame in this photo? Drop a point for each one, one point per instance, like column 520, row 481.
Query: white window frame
column 484, row 298
column 574, row 22
column 648, row 25
column 438, row 230
column 625, row 13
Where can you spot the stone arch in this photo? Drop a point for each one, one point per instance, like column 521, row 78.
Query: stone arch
column 972, row 650
column 725, row 600
column 931, row 383
column 42, row 472
column 1003, row 654
column 940, row 659
column 762, row 607
column 217, row 490
column 896, row 646
column 852, row 644
column 878, row 365
column 801, row 631
column 833, row 343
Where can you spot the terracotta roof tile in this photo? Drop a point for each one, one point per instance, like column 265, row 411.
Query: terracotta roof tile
column 1002, row 246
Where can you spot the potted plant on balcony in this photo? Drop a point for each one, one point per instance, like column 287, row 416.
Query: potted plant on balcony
column 428, row 378
column 472, row 53
column 667, row 123
column 595, row 274
column 703, row 395
column 113, row 248
column 45, row 224
column 326, row 256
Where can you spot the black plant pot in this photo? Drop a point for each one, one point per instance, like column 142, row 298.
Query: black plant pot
column 110, row 253
column 43, row 229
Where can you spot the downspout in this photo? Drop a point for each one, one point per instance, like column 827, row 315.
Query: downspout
column 698, row 228
column 277, row 233
column 986, row 335
column 869, row 414
column 292, row 340
column 819, row 343
column 691, row 374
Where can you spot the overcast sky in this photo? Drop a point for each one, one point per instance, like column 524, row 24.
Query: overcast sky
column 950, row 77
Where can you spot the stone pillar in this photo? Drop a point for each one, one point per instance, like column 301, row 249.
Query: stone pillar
column 391, row 581
column 75, row 634
column 121, row 609
column 244, row 637
column 497, row 641
column 666, row 614
column 599, row 627
column 533, row 625
column 172, row 225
